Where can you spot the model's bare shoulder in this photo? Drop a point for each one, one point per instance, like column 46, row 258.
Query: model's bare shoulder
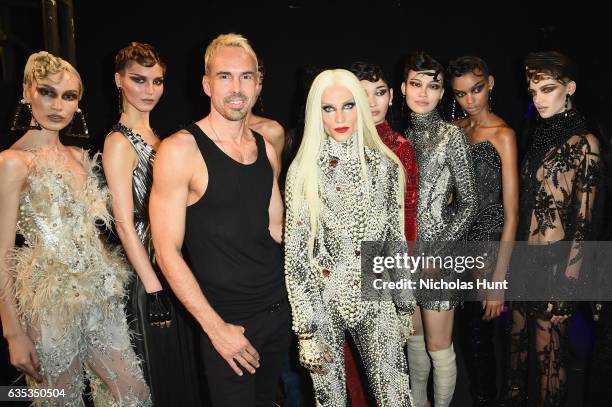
column 13, row 166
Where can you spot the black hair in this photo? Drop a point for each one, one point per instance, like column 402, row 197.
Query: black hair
column 550, row 63
column 364, row 71
column 420, row 61
column 467, row 64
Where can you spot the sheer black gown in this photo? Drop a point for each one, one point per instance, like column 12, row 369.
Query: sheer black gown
column 477, row 334
column 559, row 177
column 168, row 354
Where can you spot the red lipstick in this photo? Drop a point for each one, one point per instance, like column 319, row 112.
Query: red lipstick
column 341, row 129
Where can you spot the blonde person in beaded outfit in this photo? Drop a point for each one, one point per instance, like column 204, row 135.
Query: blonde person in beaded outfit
column 62, row 292
column 344, row 187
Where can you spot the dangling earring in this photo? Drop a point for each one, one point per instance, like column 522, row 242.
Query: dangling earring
column 390, row 113
column 567, row 99
column 120, row 100
column 22, row 120
column 78, row 126
column 453, row 108
column 491, row 100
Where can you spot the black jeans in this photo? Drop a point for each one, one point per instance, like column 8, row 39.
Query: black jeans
column 269, row 333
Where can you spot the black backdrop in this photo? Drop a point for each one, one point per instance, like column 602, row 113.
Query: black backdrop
column 288, row 35
column 327, row 33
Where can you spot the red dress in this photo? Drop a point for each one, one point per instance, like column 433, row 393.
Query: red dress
column 405, row 152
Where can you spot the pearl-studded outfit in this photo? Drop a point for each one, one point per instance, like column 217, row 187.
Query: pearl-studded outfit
column 69, row 287
column 325, row 290
column 445, row 170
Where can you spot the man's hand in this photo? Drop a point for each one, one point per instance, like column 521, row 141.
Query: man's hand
column 233, row 346
column 23, row 356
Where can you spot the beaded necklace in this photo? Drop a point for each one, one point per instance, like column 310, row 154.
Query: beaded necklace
column 553, row 132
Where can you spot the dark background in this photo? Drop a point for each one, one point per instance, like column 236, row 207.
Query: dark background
column 289, row 35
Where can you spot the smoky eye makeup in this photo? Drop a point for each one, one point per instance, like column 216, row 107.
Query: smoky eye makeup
column 348, row 105
column 548, row 88
column 415, row 83
column 70, row 96
column 382, row 91
column 46, row 91
column 137, row 78
column 478, row 87
column 158, row 81
column 328, row 108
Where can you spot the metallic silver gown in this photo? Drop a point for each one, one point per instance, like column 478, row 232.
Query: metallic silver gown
column 445, row 171
column 325, row 291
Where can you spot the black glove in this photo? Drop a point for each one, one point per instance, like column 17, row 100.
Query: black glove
column 159, row 309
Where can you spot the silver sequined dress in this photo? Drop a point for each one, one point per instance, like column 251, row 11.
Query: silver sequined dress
column 69, row 287
column 325, row 291
column 445, row 171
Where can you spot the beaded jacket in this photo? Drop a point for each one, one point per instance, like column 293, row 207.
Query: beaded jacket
column 405, row 152
column 445, row 170
column 332, row 277
column 64, row 267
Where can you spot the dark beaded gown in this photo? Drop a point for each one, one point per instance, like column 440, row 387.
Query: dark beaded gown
column 167, row 353
column 559, row 179
column 478, row 334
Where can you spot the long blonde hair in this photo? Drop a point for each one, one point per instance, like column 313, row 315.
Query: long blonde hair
column 305, row 169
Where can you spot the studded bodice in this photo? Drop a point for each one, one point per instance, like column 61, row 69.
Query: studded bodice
column 64, row 263
column 445, row 169
column 489, row 219
column 352, row 210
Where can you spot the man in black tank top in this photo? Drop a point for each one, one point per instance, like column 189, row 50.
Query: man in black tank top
column 216, row 218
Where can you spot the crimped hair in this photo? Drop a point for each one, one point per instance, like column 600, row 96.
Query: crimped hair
column 142, row 54
column 306, row 185
column 228, row 40
column 420, row 61
column 42, row 64
column 553, row 64
column 365, row 71
column 467, row 64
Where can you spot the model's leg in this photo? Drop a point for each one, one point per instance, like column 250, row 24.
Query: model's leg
column 418, row 361
column 330, row 387
column 380, row 345
column 57, row 346
column 479, row 354
column 514, row 393
column 111, row 357
column 551, row 347
column 438, row 326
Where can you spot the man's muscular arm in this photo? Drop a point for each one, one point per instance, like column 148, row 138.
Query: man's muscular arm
column 276, row 209
column 173, row 171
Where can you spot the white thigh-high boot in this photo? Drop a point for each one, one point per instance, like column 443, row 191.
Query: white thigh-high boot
column 420, row 365
column 445, row 375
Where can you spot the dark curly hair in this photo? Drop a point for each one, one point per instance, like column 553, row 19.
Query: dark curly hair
column 539, row 65
column 420, row 61
column 365, row 71
column 467, row 64
column 143, row 54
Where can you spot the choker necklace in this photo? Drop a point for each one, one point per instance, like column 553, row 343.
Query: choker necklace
column 553, row 132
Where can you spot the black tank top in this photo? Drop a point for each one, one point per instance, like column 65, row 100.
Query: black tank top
column 227, row 241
